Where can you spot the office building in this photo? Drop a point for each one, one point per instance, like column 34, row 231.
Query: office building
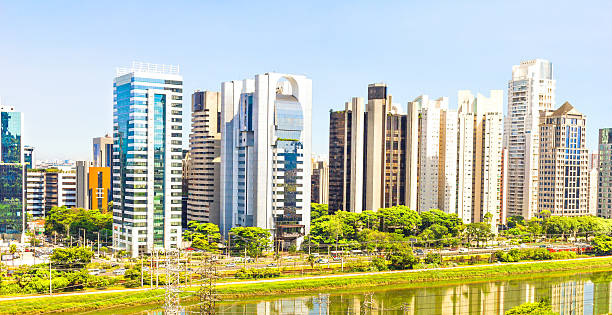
column 147, row 154
column 203, row 204
column 186, row 161
column 12, row 206
column 93, row 186
column 265, row 152
column 604, row 186
column 103, row 151
column 346, row 157
column 531, row 89
column 28, row 157
column 369, row 152
column 319, row 192
column 48, row 188
column 564, row 177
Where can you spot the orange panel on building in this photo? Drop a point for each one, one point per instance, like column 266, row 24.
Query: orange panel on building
column 99, row 187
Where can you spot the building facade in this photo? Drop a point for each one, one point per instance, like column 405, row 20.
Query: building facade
column 319, row 192
column 93, row 186
column 564, row 176
column 28, row 157
column 203, row 203
column 147, row 153
column 531, row 89
column 48, row 188
column 604, row 187
column 12, row 175
column 265, row 152
column 103, row 151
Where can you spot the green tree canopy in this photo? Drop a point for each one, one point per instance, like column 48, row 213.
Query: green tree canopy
column 254, row 239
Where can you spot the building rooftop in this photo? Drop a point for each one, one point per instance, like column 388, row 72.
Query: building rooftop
column 138, row 66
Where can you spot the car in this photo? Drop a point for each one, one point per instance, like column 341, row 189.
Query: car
column 119, row 272
column 93, row 272
column 419, row 252
column 322, row 261
column 230, row 265
column 337, row 258
column 271, row 265
column 463, row 250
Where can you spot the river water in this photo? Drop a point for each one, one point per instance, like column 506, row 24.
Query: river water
column 589, row 293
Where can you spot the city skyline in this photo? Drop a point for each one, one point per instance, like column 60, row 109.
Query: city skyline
column 429, row 54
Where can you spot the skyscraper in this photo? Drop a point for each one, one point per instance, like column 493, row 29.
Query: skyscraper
column 265, row 154
column 346, row 157
column 205, row 158
column 147, row 153
column 482, row 171
column 604, row 187
column 563, row 165
column 531, row 89
column 12, row 193
column 320, row 181
column 103, row 151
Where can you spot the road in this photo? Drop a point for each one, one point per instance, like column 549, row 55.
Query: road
column 15, row 298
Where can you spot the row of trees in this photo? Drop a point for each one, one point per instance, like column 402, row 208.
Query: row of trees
column 70, row 221
column 253, row 241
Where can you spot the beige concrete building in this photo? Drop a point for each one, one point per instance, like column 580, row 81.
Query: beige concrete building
column 203, row 201
column 319, row 181
column 486, row 119
column 564, row 177
column 369, row 153
column 531, row 89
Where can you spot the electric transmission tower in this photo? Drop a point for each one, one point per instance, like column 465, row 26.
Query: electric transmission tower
column 208, row 289
column 172, row 302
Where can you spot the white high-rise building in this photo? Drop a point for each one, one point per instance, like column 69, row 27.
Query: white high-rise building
column 147, row 158
column 483, row 141
column 530, row 90
column 432, row 114
column 265, row 154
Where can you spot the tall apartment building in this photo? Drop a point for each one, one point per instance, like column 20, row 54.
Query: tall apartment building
column 434, row 189
column 265, row 152
column 593, row 169
column 147, row 153
column 185, row 189
column 604, row 187
column 480, row 150
column 564, row 177
column 12, row 205
column 203, row 203
column 103, row 151
column 48, row 188
column 319, row 192
column 531, row 89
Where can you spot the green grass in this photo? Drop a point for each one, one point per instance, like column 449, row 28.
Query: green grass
column 406, row 280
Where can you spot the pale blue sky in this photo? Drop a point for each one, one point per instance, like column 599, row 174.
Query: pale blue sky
column 58, row 58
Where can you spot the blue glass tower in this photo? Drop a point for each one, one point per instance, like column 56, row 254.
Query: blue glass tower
column 147, row 158
column 12, row 217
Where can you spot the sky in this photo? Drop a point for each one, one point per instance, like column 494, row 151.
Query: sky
column 58, row 58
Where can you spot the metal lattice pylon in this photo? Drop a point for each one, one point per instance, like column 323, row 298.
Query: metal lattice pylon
column 208, row 292
column 172, row 302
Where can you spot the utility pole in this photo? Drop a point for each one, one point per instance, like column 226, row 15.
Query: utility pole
column 151, row 271
column 208, row 292
column 50, row 282
column 98, row 243
column 142, row 273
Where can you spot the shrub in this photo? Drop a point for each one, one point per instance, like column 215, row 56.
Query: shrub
column 433, row 258
column 379, row 264
column 257, row 273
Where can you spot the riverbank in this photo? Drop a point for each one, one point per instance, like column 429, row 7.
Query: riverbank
column 84, row 301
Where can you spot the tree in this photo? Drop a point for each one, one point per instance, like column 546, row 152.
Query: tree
column 318, row 210
column 602, row 245
column 478, row 231
column 254, row 239
column 204, row 236
column 72, row 257
column 436, row 217
column 515, row 221
column 541, row 308
column 402, row 258
column 399, row 219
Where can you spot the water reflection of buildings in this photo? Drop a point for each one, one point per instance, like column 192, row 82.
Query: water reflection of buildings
column 568, row 297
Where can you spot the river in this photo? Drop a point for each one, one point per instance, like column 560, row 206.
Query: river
column 589, row 293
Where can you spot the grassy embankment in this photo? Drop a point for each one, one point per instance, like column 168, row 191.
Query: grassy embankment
column 383, row 280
